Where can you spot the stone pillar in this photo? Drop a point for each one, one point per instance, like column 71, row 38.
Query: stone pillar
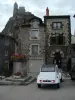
column 18, row 67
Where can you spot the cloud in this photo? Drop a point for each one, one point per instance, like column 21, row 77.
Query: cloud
column 37, row 7
column 6, row 11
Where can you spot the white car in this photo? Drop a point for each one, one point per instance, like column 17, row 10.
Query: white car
column 49, row 74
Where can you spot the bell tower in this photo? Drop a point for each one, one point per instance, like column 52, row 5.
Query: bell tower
column 15, row 10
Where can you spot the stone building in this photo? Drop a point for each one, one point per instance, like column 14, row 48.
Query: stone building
column 6, row 50
column 73, row 46
column 28, row 31
column 41, row 42
column 58, row 38
column 31, row 40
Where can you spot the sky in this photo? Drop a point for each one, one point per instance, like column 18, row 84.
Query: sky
column 38, row 8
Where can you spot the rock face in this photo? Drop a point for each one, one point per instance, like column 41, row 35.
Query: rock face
column 15, row 21
column 20, row 16
column 19, row 26
column 9, row 28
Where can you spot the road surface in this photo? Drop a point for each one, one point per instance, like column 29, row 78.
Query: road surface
column 32, row 92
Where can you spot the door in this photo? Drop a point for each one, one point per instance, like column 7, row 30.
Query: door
column 35, row 65
column 57, row 59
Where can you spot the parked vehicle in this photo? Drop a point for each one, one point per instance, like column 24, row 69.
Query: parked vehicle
column 49, row 74
column 72, row 73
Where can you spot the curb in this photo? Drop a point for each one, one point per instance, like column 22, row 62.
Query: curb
column 31, row 81
column 18, row 80
column 66, row 78
column 28, row 80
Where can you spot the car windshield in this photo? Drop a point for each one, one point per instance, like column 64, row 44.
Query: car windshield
column 48, row 69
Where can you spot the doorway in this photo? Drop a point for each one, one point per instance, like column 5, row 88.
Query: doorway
column 57, row 59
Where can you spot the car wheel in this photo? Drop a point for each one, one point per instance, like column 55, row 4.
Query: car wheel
column 58, row 85
column 39, row 85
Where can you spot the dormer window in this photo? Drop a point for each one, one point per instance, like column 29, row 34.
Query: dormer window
column 35, row 24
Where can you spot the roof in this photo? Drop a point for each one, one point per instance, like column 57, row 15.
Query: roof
column 57, row 16
column 5, row 35
column 36, row 18
column 9, row 27
column 27, row 17
column 49, row 65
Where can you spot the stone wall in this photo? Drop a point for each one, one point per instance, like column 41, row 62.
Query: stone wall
column 24, row 36
column 66, row 32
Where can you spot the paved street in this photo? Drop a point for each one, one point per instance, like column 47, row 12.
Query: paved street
column 31, row 92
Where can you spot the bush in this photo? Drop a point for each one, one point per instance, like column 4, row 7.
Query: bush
column 6, row 71
column 18, row 74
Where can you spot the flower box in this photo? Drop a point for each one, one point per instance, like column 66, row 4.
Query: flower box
column 18, row 57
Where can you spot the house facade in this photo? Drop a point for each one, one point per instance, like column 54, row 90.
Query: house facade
column 6, row 50
column 73, row 46
column 41, row 42
column 31, row 39
column 58, row 39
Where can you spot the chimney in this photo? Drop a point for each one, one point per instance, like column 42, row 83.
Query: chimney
column 47, row 11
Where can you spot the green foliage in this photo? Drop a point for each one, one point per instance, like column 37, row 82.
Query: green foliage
column 6, row 70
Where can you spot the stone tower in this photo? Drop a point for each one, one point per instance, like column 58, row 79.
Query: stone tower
column 58, row 39
column 15, row 11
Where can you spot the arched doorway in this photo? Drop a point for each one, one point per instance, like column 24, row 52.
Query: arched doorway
column 57, row 57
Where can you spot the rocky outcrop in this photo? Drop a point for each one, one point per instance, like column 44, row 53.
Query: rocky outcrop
column 14, row 22
column 9, row 27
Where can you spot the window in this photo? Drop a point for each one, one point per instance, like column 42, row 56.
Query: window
column 59, row 25
column 6, row 64
column 53, row 40
column 56, row 25
column 6, row 41
column 60, row 39
column 34, row 34
column 48, row 69
column 53, row 34
column 34, row 49
column 6, row 53
column 35, row 24
column 57, row 40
